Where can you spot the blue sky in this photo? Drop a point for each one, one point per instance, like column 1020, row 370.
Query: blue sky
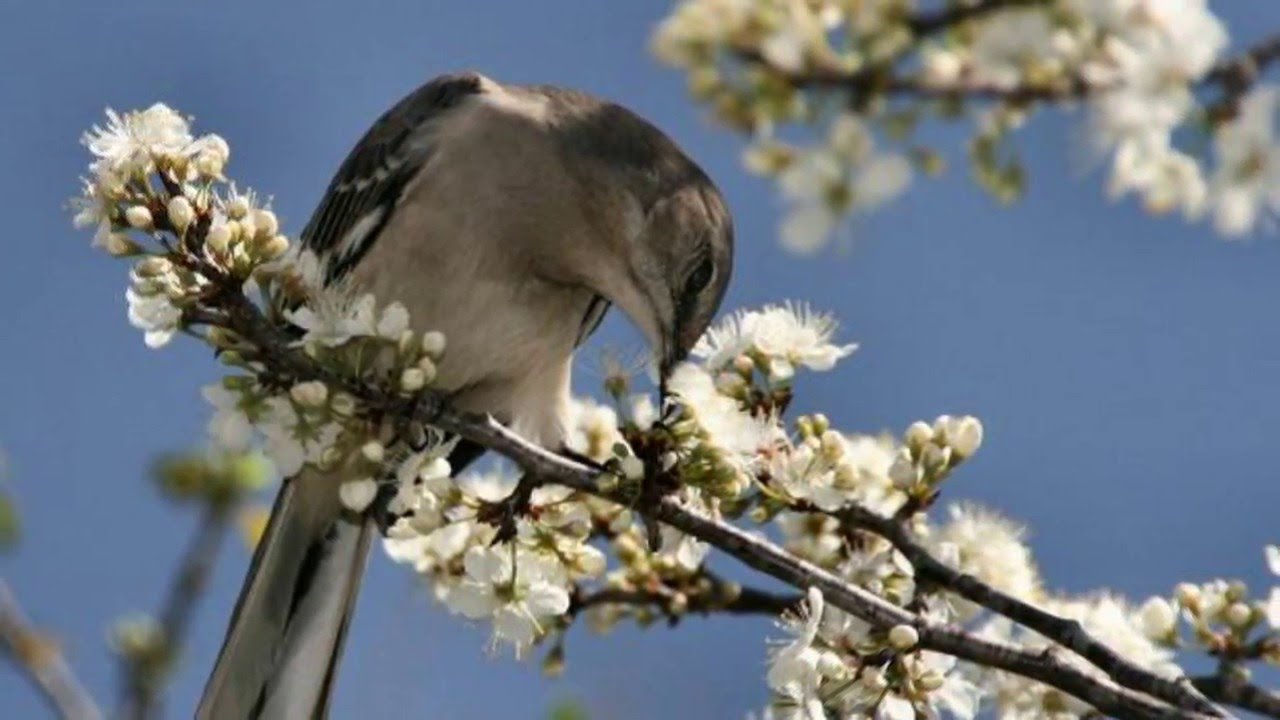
column 1125, row 367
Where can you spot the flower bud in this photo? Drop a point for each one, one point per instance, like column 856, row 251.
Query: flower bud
column 238, row 207
column 428, row 369
column 139, row 217
column 373, row 451
column 632, row 467
column 219, row 237
column 821, row 423
column 553, row 664
column 433, row 344
column 1157, row 618
column 917, row 434
column 121, row 245
column 1237, row 590
column 744, row 365
column 903, row 637
column 965, row 436
column 413, row 380
column 930, row 681
column 343, row 404
column 310, row 394
column 153, row 267
column 181, row 213
column 832, row 445
column 903, row 472
column 357, row 495
column 275, row 247
column 1238, row 615
column 935, row 458
column 1188, row 596
column 265, row 223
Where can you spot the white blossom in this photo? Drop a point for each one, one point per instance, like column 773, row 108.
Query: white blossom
column 155, row 315
column 791, row 332
column 512, row 589
column 293, row 441
column 989, row 547
column 1246, row 183
column 793, row 668
column 335, row 319
column 129, row 143
column 1157, row 618
column 229, row 427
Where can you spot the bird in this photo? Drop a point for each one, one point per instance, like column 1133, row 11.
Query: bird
column 511, row 218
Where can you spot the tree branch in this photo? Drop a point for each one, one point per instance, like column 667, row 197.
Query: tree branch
column 723, row 597
column 144, row 678
column 1239, row 692
column 1237, row 75
column 925, row 24
column 1234, row 76
column 429, row 409
column 39, row 658
column 1064, row 631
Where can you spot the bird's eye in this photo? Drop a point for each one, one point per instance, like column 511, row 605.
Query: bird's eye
column 700, row 277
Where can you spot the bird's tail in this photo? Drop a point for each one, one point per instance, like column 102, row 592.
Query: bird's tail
column 282, row 648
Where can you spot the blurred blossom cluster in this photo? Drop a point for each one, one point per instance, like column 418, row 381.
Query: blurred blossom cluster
column 865, row 75
column 314, row 367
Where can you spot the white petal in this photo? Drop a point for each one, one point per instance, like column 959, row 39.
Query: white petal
column 489, row 565
column 474, row 600
column 514, row 626
column 547, row 599
column 1273, row 559
column 357, row 495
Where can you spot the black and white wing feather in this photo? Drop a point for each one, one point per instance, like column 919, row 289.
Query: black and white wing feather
column 363, row 194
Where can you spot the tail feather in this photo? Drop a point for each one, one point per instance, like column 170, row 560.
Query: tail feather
column 286, row 632
column 280, row 657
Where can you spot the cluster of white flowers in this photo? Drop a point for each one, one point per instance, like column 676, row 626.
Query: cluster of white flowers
column 822, row 183
column 157, row 193
column 1103, row 616
column 825, row 671
column 1136, row 65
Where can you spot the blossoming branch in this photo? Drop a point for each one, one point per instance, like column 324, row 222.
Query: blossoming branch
column 1151, row 77
column 907, row 611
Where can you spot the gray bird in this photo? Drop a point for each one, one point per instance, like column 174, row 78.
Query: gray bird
column 510, row 218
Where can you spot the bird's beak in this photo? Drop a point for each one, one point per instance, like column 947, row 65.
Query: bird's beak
column 674, row 352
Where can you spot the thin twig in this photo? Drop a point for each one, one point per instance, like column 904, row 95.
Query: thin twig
column 925, row 24
column 1239, row 692
column 1237, row 75
column 39, row 658
column 144, row 681
column 721, row 598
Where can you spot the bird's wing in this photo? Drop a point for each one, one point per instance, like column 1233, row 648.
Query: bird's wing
column 370, row 182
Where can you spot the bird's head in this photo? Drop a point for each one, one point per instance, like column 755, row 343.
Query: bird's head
column 663, row 246
column 680, row 263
